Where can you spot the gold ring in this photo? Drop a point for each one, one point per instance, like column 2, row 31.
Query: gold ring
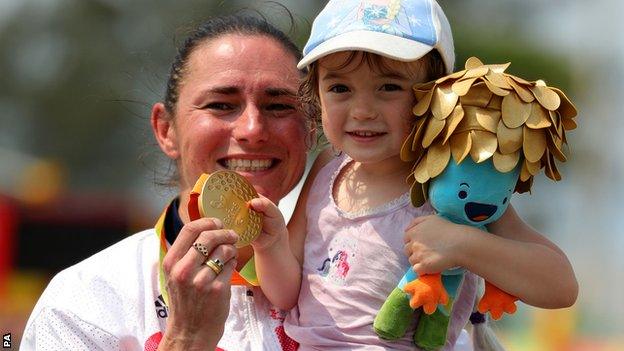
column 201, row 248
column 215, row 265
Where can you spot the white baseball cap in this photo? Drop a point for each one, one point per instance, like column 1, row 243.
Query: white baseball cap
column 403, row 30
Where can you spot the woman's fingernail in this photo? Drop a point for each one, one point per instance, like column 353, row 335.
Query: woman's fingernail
column 217, row 222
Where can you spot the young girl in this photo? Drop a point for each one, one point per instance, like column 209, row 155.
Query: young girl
column 344, row 250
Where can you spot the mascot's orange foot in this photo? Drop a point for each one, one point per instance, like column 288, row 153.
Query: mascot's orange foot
column 427, row 291
column 496, row 301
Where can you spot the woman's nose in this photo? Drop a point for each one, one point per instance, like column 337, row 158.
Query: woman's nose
column 250, row 127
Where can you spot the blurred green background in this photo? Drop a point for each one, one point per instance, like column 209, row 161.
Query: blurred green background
column 79, row 167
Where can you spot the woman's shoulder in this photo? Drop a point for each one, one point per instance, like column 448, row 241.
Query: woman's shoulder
column 116, row 259
column 107, row 274
column 100, row 297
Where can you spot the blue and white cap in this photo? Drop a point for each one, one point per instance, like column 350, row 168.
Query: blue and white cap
column 403, row 30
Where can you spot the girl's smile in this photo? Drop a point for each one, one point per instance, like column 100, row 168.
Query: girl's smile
column 366, row 106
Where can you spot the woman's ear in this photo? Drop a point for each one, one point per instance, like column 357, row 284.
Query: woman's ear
column 164, row 130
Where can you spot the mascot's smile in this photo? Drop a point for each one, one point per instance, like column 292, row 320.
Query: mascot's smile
column 477, row 212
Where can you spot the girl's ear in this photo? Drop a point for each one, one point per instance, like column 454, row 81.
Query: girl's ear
column 164, row 130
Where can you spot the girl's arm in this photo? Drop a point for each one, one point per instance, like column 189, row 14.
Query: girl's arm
column 518, row 259
column 550, row 280
column 278, row 250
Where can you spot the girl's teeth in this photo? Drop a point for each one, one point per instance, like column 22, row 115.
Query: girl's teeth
column 365, row 134
column 245, row 165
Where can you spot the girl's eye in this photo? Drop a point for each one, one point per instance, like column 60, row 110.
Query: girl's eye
column 391, row 87
column 462, row 194
column 338, row 88
column 504, row 201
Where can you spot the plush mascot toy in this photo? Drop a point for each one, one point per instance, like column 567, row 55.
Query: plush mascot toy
column 480, row 134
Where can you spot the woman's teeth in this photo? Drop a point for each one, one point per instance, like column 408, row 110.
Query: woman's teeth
column 248, row 165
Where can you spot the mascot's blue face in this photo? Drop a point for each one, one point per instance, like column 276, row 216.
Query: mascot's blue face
column 472, row 193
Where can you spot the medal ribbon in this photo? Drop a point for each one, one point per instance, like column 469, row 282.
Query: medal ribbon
column 162, row 239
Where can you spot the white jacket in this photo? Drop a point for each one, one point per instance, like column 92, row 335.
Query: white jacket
column 111, row 301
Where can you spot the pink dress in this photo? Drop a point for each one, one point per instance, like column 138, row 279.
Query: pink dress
column 350, row 267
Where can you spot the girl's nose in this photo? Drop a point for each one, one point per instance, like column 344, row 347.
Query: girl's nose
column 250, row 127
column 363, row 108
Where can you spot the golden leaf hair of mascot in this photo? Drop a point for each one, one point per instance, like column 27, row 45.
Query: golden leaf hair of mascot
column 479, row 135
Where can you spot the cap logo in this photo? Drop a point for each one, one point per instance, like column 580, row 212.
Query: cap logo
column 406, row 19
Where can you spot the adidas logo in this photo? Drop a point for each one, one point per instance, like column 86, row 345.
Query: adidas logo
column 161, row 307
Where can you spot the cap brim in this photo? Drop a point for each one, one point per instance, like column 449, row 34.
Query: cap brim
column 392, row 46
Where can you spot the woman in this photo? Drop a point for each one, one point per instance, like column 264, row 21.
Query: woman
column 230, row 104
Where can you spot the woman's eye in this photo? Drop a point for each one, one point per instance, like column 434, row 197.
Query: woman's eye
column 462, row 194
column 280, row 107
column 221, row 106
column 391, row 87
column 338, row 88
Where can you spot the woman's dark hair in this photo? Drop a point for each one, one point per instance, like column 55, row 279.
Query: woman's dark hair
column 215, row 28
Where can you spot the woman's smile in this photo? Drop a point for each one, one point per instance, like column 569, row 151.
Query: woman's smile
column 248, row 164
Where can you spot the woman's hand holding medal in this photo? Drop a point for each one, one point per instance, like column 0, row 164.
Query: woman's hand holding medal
column 198, row 296
column 200, row 263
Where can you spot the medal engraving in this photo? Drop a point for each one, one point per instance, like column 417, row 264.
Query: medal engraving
column 224, row 195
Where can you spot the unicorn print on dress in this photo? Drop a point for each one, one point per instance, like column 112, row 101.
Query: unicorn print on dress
column 341, row 255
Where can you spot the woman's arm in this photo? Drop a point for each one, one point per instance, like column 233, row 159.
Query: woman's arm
column 278, row 251
column 517, row 259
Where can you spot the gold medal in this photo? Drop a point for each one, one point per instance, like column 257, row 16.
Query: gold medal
column 224, row 195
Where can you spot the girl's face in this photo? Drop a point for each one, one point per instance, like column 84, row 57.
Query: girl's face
column 367, row 105
column 238, row 110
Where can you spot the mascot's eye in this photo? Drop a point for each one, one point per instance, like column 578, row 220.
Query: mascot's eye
column 504, row 201
column 462, row 194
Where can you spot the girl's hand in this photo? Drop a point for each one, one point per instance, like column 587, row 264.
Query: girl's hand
column 278, row 271
column 274, row 231
column 199, row 299
column 432, row 244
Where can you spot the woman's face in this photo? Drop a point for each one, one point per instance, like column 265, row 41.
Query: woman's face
column 238, row 110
